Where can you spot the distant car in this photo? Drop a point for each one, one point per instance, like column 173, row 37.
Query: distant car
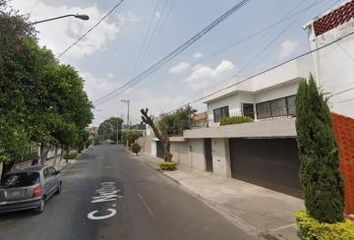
column 29, row 188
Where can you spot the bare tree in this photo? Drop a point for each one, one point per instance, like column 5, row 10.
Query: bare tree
column 161, row 134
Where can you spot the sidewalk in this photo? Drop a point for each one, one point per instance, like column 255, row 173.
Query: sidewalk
column 258, row 211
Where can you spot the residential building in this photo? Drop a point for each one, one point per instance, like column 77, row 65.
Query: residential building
column 264, row 152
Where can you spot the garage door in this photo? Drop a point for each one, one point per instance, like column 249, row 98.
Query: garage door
column 271, row 163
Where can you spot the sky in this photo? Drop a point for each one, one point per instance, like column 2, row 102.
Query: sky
column 140, row 32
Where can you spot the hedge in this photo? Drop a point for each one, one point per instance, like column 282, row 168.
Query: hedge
column 235, row 120
column 71, row 155
column 169, row 166
column 312, row 229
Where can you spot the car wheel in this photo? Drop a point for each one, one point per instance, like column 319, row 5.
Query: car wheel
column 41, row 207
column 59, row 188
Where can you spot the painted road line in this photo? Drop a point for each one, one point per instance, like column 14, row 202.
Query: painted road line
column 148, row 209
column 283, row 227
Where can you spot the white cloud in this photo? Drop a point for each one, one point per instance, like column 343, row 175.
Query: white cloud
column 203, row 76
column 287, row 48
column 180, row 68
column 198, row 55
column 157, row 14
column 96, row 86
column 59, row 34
column 110, row 75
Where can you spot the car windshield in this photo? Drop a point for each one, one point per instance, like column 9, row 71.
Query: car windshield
column 25, row 179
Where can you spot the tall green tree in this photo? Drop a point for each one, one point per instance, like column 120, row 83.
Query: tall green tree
column 108, row 128
column 318, row 153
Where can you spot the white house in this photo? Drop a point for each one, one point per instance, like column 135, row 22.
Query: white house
column 264, row 151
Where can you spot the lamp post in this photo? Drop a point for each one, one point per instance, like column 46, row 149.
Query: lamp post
column 79, row 16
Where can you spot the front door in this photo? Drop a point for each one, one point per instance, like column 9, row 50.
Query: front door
column 208, row 154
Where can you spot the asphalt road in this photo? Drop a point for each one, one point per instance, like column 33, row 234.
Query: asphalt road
column 126, row 199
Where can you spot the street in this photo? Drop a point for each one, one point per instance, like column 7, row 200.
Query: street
column 107, row 194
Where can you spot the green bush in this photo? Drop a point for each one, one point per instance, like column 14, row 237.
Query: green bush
column 96, row 141
column 29, row 156
column 169, row 166
column 135, row 148
column 312, row 229
column 235, row 120
column 71, row 155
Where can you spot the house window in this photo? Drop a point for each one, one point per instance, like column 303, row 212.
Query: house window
column 220, row 113
column 248, row 110
column 291, row 105
column 276, row 108
column 263, row 110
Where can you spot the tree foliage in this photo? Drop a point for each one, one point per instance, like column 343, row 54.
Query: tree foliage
column 108, row 128
column 175, row 123
column 41, row 101
column 318, row 154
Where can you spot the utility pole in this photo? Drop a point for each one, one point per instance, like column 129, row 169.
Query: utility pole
column 117, row 129
column 127, row 101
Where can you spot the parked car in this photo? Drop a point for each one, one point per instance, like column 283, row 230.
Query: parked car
column 29, row 188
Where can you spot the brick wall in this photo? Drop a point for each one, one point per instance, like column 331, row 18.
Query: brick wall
column 344, row 130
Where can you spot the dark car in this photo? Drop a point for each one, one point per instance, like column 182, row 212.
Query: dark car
column 29, row 188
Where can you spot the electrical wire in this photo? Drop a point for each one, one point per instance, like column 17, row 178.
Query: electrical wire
column 90, row 29
column 175, row 52
column 269, row 69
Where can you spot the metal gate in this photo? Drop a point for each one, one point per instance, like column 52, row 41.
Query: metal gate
column 271, row 163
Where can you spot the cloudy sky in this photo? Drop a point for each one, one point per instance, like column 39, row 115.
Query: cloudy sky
column 140, row 32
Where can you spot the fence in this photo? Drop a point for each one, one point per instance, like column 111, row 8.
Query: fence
column 344, row 130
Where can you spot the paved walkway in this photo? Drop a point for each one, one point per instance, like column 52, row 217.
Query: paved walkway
column 257, row 210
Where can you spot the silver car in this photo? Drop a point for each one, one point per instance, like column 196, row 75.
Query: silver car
column 29, row 188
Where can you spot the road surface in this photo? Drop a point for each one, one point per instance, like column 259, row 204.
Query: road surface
column 108, row 194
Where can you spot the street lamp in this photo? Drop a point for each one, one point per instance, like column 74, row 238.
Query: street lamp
column 79, row 16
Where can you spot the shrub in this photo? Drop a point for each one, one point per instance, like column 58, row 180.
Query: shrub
column 312, row 229
column 235, row 120
column 135, row 148
column 96, row 141
column 318, row 155
column 169, row 166
column 71, row 155
column 29, row 156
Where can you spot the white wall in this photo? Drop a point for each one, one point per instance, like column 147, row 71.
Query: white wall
column 234, row 102
column 189, row 154
column 221, row 157
column 278, row 92
column 334, row 67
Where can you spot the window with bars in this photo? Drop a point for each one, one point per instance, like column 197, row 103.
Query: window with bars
column 220, row 113
column 276, row 108
column 248, row 110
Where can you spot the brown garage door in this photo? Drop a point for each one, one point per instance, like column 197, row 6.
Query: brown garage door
column 271, row 163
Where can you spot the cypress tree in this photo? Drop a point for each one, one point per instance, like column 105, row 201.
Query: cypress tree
column 318, row 154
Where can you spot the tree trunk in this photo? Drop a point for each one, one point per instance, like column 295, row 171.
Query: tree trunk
column 167, row 152
column 55, row 156
column 43, row 154
column 6, row 167
column 61, row 155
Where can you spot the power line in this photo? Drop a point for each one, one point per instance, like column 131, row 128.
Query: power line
column 146, row 36
column 90, row 29
column 290, row 14
column 176, row 52
column 269, row 69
